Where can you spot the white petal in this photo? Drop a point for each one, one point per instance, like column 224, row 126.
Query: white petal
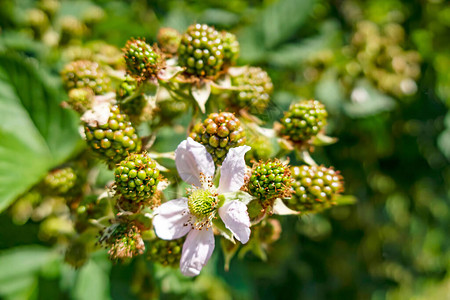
column 191, row 159
column 98, row 115
column 235, row 217
column 197, row 250
column 171, row 218
column 233, row 170
column 279, row 208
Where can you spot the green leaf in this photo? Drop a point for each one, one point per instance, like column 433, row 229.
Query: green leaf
column 368, row 101
column 281, row 20
column 21, row 261
column 330, row 91
column 36, row 134
column 93, row 279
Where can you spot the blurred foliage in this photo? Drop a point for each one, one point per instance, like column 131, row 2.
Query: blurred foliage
column 381, row 68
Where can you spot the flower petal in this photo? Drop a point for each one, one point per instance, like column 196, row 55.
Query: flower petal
column 191, row 159
column 233, row 170
column 197, row 250
column 171, row 218
column 235, row 217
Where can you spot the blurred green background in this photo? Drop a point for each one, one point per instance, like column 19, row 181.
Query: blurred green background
column 380, row 67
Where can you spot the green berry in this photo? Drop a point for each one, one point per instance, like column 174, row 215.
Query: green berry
column 38, row 21
column 230, row 48
column 85, row 74
column 169, row 40
column 132, row 105
column 314, row 188
column 60, row 181
column 137, row 177
column 71, row 28
column 167, row 253
column 142, row 61
column 76, row 254
column 201, row 51
column 304, row 120
column 269, row 180
column 124, row 240
column 81, row 99
column 219, row 133
column 255, row 88
column 115, row 139
column 261, row 147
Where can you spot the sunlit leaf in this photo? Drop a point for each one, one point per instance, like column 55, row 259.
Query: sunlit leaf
column 36, row 134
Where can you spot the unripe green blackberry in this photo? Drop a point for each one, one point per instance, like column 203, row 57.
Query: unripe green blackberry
column 201, row 51
column 261, row 147
column 137, row 177
column 303, row 120
column 50, row 7
column 230, row 48
column 314, row 188
column 93, row 15
column 124, row 240
column 71, row 28
column 38, row 21
column 270, row 180
column 169, row 40
column 219, row 133
column 60, row 181
column 167, row 253
column 114, row 139
column 169, row 109
column 142, row 61
column 85, row 73
column 255, row 89
column 133, row 107
column 76, row 253
column 81, row 99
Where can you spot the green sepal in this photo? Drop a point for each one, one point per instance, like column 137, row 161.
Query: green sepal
column 201, row 93
column 224, row 231
column 345, row 200
column 255, row 246
column 239, row 195
column 229, row 251
column 305, row 156
column 323, row 140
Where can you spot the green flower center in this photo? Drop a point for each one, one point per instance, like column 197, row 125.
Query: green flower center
column 202, row 203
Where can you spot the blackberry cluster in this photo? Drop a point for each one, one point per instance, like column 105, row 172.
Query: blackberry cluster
column 255, row 89
column 201, row 51
column 81, row 99
column 169, row 40
column 230, row 48
column 314, row 188
column 61, row 181
column 133, row 107
column 115, row 139
column 269, row 180
column 124, row 240
column 219, row 133
column 137, row 177
column 304, row 120
column 85, row 74
column 142, row 61
column 167, row 253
